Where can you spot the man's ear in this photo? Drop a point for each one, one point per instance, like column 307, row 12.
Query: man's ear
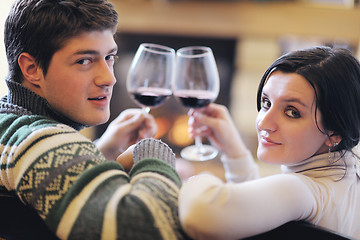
column 30, row 69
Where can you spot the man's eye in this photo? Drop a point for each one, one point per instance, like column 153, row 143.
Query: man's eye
column 111, row 57
column 292, row 113
column 84, row 61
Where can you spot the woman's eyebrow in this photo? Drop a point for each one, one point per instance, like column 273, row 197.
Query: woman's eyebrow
column 289, row 100
column 296, row 100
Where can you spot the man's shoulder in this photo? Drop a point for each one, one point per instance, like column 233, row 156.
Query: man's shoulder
column 7, row 119
column 33, row 122
column 20, row 127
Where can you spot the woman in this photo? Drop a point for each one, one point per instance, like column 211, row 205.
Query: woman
column 309, row 123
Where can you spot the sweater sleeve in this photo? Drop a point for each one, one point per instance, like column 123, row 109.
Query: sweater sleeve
column 241, row 169
column 81, row 195
column 212, row 209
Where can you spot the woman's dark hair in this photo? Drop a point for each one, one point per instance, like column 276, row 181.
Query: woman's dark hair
column 334, row 75
column 42, row 27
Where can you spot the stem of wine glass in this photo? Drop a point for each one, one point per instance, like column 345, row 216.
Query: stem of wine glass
column 198, row 144
column 146, row 109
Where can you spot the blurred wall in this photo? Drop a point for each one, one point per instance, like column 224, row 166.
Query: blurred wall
column 4, row 9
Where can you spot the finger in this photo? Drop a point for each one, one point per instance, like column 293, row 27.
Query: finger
column 134, row 122
column 132, row 113
column 191, row 120
column 151, row 126
column 204, row 120
column 203, row 131
column 146, row 133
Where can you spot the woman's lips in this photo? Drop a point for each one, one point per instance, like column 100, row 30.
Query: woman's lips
column 268, row 141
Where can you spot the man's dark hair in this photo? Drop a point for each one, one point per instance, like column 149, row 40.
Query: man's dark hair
column 42, row 27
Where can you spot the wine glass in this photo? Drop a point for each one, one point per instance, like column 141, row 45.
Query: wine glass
column 196, row 84
column 150, row 75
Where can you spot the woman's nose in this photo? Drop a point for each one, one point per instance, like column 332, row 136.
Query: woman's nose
column 266, row 121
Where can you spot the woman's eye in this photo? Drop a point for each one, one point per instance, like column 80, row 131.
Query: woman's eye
column 292, row 113
column 265, row 103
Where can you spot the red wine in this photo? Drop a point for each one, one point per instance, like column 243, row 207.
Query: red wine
column 195, row 98
column 150, row 97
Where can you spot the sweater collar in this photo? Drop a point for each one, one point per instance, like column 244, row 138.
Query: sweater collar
column 21, row 100
column 334, row 164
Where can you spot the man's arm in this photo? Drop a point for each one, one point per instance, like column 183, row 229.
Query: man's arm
column 81, row 195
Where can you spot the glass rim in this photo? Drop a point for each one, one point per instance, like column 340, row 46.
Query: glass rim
column 157, row 48
column 206, row 51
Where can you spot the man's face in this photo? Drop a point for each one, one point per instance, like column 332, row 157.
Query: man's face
column 80, row 78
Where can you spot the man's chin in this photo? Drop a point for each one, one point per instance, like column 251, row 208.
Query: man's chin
column 96, row 121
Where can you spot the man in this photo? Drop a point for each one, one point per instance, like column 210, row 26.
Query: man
column 61, row 55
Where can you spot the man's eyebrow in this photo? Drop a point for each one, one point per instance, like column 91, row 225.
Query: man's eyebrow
column 93, row 52
column 115, row 49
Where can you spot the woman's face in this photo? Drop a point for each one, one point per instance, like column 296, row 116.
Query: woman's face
column 286, row 125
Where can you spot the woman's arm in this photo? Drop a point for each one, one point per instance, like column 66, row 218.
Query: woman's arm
column 240, row 169
column 211, row 209
column 214, row 121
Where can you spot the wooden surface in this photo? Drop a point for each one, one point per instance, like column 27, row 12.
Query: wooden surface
column 238, row 18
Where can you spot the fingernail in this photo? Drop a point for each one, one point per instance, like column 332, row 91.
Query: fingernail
column 191, row 120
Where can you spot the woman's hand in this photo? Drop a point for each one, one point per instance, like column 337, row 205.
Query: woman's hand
column 128, row 128
column 215, row 123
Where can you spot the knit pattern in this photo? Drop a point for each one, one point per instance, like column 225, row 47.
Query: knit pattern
column 79, row 194
column 153, row 148
column 82, row 195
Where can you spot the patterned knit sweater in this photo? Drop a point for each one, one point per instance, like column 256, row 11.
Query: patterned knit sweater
column 50, row 166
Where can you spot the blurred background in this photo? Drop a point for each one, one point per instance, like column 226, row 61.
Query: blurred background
column 246, row 37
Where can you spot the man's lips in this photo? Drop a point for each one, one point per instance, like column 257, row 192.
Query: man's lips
column 98, row 98
column 102, row 100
